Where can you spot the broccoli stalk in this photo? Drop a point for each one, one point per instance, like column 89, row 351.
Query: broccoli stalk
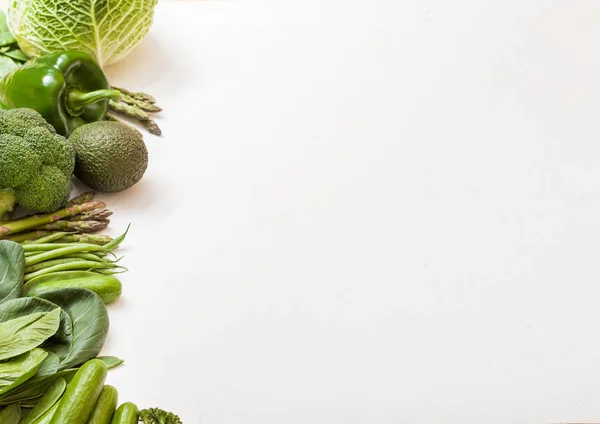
column 7, row 204
column 158, row 416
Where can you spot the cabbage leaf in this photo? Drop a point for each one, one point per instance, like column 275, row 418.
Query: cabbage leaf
column 106, row 29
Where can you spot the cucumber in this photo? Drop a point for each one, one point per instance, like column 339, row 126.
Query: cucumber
column 105, row 406
column 11, row 414
column 47, row 417
column 127, row 413
column 51, row 396
column 107, row 287
column 82, row 393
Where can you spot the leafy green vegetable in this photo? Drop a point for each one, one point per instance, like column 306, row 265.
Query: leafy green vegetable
column 17, row 55
column 60, row 342
column 22, row 334
column 108, row 30
column 12, row 266
column 51, row 396
column 110, row 361
column 90, row 323
column 7, row 65
column 11, row 414
column 6, row 37
column 20, row 369
column 34, row 388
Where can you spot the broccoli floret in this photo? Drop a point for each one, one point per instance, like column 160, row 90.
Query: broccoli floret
column 158, row 416
column 54, row 150
column 20, row 121
column 36, row 164
column 19, row 161
column 47, row 191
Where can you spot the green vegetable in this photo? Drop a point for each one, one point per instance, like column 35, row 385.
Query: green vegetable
column 110, row 361
column 81, row 395
column 36, row 163
column 105, row 406
column 10, row 55
column 89, row 319
column 6, row 37
column 20, row 369
column 108, row 30
column 67, row 88
column 126, row 413
column 33, row 221
column 47, row 417
column 22, row 334
column 158, row 416
column 60, row 343
column 51, row 396
column 69, row 264
column 107, row 287
column 110, row 156
column 33, row 389
column 11, row 414
column 12, row 265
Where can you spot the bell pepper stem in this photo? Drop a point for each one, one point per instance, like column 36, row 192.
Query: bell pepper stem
column 77, row 99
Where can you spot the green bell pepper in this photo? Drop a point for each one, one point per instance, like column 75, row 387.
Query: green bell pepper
column 67, row 88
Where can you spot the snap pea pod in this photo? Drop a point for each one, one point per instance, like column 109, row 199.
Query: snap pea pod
column 51, row 396
column 47, row 417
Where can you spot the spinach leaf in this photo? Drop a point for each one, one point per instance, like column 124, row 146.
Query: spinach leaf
column 51, row 396
column 60, row 343
column 90, row 323
column 12, row 269
column 22, row 334
column 110, row 361
column 20, row 369
column 30, row 391
column 49, row 366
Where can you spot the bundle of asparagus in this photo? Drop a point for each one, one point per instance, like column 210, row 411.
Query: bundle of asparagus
column 77, row 222
column 136, row 106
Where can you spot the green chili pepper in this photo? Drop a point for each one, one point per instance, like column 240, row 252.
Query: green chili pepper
column 67, row 88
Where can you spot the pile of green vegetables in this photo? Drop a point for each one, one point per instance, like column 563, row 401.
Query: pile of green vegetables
column 60, row 119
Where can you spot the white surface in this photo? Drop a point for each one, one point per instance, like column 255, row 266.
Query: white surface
column 377, row 211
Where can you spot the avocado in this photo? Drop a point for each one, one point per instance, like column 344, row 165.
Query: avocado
column 110, row 156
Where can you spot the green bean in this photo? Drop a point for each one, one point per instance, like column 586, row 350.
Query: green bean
column 68, row 266
column 64, row 251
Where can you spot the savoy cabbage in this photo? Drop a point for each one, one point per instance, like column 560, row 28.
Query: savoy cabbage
column 107, row 29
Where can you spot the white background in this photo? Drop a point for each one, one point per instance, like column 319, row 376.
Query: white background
column 376, row 211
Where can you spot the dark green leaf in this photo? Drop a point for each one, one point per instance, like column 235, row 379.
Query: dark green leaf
column 49, row 366
column 16, row 54
column 110, row 361
column 60, row 343
column 34, row 389
column 12, row 269
column 11, row 414
column 20, row 369
column 51, row 396
column 22, row 334
column 90, row 323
